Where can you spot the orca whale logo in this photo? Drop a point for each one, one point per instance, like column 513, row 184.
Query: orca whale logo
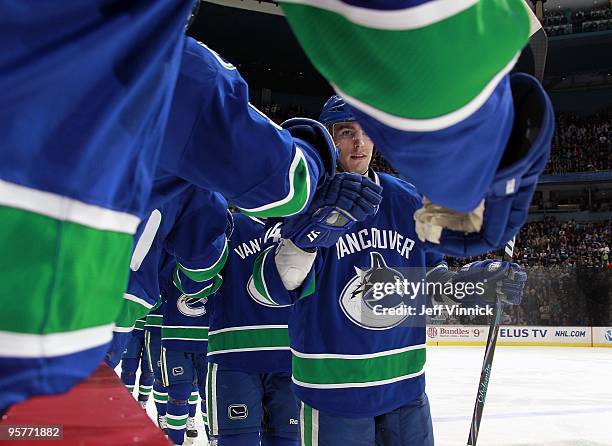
column 358, row 300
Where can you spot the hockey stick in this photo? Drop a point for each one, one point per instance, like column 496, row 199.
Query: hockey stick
column 535, row 54
column 487, row 363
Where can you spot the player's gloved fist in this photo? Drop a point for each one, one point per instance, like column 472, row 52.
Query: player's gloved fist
column 509, row 195
column 490, row 280
column 117, row 348
column 339, row 203
column 510, row 288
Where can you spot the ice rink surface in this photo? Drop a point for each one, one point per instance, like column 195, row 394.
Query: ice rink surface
column 544, row 396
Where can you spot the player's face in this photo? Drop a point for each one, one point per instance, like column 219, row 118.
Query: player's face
column 354, row 145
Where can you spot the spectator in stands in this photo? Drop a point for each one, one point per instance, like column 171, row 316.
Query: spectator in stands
column 581, row 144
column 569, row 274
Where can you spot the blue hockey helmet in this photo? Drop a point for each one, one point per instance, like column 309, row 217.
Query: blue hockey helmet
column 335, row 110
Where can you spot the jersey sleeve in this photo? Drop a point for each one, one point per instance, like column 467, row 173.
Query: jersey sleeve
column 143, row 289
column 199, row 241
column 451, row 111
column 230, row 146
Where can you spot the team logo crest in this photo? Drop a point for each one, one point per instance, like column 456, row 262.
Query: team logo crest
column 256, row 295
column 190, row 306
column 357, row 299
column 237, row 411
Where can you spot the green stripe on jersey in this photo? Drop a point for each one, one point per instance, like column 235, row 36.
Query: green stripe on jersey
column 186, row 333
column 310, row 288
column 307, row 431
column 299, row 185
column 248, row 338
column 338, row 371
column 406, row 72
column 139, row 325
column 130, row 315
column 259, row 279
column 200, row 275
column 61, row 276
column 154, row 320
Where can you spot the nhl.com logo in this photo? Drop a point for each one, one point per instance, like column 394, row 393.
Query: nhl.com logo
column 609, row 335
column 432, row 332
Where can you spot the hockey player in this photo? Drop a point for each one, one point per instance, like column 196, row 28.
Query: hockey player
column 135, row 355
column 98, row 139
column 358, row 371
column 248, row 392
column 249, row 398
column 486, row 133
column 206, row 80
column 183, row 360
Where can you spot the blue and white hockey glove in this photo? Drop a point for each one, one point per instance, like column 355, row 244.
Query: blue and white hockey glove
column 339, row 203
column 491, row 280
column 504, row 208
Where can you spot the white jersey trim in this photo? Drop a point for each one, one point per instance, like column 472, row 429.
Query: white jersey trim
column 138, row 300
column 66, row 209
column 143, row 246
column 246, row 327
column 246, row 350
column 211, row 267
column 356, row 357
column 25, row 345
column 414, row 17
column 197, row 327
column 366, row 384
column 432, row 124
column 299, row 156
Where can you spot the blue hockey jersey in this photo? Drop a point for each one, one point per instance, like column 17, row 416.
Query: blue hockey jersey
column 346, row 360
column 155, row 318
column 219, row 141
column 185, row 322
column 210, row 129
column 247, row 333
column 190, row 227
column 87, row 89
column 181, row 322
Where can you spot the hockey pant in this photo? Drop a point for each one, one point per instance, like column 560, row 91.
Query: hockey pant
column 134, row 354
column 244, row 407
column 182, row 372
column 410, row 425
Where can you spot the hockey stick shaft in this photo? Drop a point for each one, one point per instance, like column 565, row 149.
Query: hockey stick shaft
column 487, row 363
